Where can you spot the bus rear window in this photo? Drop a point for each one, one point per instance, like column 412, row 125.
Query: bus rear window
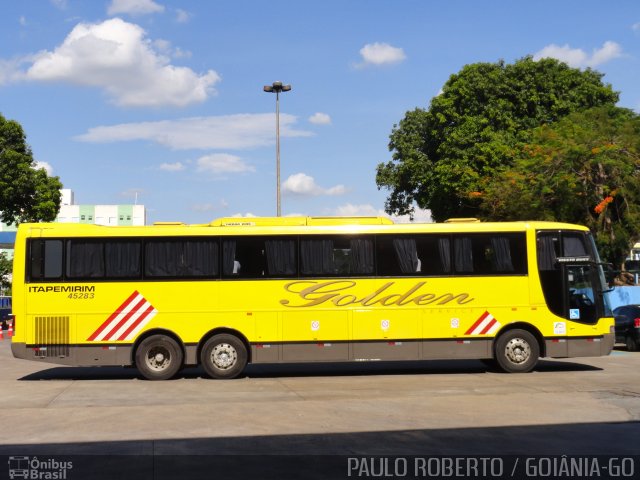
column 45, row 262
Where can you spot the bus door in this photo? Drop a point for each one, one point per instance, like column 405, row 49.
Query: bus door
column 582, row 296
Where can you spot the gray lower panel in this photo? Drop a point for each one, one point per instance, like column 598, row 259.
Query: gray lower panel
column 266, row 353
column 80, row 356
column 191, row 355
column 580, row 347
column 370, row 351
column 456, row 349
column 400, row 350
column 315, row 352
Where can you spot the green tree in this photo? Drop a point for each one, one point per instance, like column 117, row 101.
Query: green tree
column 440, row 155
column 6, row 267
column 582, row 169
column 27, row 194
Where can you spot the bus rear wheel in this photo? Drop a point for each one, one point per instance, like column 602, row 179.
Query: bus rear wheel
column 158, row 357
column 517, row 351
column 223, row 356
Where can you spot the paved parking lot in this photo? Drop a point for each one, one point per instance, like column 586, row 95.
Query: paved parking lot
column 575, row 406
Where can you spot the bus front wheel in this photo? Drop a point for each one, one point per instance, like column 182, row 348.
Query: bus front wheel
column 517, row 351
column 224, row 356
column 158, row 357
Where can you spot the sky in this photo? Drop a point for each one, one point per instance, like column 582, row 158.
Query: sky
column 161, row 102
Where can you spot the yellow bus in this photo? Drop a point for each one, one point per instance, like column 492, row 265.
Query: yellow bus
column 306, row 289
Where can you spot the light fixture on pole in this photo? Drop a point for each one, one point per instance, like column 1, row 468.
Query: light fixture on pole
column 277, row 87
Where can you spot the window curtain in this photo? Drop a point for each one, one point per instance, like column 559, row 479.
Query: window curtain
column 200, row 258
column 361, row 256
column 86, row 259
column 444, row 250
column 463, row 253
column 546, row 253
column 406, row 254
column 281, row 257
column 501, row 254
column 122, row 259
column 162, row 259
column 229, row 257
column 316, row 257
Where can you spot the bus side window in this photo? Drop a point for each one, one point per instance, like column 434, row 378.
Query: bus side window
column 189, row 258
column 45, row 260
column 434, row 254
column 257, row 257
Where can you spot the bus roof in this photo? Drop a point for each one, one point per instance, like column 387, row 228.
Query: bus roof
column 285, row 226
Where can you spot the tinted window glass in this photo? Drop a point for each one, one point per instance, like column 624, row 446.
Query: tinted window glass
column 257, row 257
column 85, row 259
column 181, row 258
column 45, row 261
column 343, row 256
column 122, row 259
column 490, row 254
column 413, row 255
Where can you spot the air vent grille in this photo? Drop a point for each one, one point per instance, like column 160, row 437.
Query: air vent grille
column 52, row 336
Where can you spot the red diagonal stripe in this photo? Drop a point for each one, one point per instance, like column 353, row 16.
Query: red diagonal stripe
column 478, row 322
column 144, row 315
column 112, row 316
column 124, row 319
column 488, row 327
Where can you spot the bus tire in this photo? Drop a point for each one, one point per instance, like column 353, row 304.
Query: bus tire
column 223, row 356
column 517, row 351
column 158, row 357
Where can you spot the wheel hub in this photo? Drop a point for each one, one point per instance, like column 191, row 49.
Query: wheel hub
column 158, row 358
column 518, row 350
column 224, row 356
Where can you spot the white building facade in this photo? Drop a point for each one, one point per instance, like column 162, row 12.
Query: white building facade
column 111, row 215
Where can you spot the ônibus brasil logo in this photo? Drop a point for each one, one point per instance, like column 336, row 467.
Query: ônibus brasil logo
column 38, row 468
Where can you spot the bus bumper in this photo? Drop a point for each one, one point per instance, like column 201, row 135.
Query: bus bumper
column 580, row 347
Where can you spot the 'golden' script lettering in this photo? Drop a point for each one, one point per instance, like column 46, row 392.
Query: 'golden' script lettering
column 338, row 293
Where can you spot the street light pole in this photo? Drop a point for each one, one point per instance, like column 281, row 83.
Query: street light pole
column 276, row 88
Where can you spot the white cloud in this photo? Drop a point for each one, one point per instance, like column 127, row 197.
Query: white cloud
column 60, row 4
column 134, row 7
column 116, row 56
column 303, row 184
column 47, row 167
column 165, row 47
column 320, row 118
column 172, row 167
column 238, row 131
column 243, row 215
column 368, row 210
column 636, row 27
column 219, row 163
column 578, row 58
column 10, row 71
column 182, row 16
column 379, row 54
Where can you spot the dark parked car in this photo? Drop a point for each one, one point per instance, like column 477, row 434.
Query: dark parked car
column 628, row 326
